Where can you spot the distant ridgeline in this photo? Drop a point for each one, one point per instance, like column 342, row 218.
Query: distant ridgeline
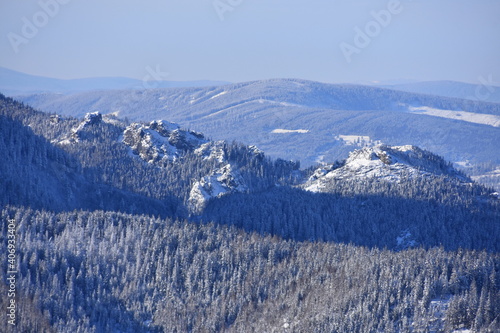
column 150, row 227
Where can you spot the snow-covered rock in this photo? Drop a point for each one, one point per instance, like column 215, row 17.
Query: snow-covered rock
column 76, row 134
column 160, row 140
column 256, row 150
column 92, row 118
column 213, row 150
column 221, row 182
column 382, row 162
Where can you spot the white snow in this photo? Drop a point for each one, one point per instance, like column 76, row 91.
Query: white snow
column 463, row 164
column 357, row 140
column 212, row 151
column 154, row 141
column 226, row 109
column 112, row 119
column 284, row 131
column 262, row 101
column 405, row 148
column 167, row 125
column 68, row 141
column 477, row 118
column 89, row 119
column 193, row 100
column 385, row 163
column 220, row 94
column 221, row 182
column 320, row 159
column 352, row 139
column 493, row 175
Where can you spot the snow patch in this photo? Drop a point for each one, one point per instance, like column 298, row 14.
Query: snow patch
column 90, row 119
column 320, row 159
column 477, row 118
column 357, row 140
column 285, row 131
column 212, row 151
column 263, row 100
column 225, row 109
column 221, row 182
column 220, row 94
column 463, row 164
column 353, row 139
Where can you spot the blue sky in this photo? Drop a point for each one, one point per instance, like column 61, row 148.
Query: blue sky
column 242, row 40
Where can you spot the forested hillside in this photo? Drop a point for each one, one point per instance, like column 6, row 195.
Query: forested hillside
column 109, row 272
column 149, row 227
column 311, row 121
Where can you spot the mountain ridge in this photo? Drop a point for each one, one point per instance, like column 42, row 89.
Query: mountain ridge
column 135, row 233
column 393, row 164
column 15, row 83
column 484, row 90
column 321, row 121
column 188, row 176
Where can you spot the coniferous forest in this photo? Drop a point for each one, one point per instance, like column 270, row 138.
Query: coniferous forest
column 147, row 227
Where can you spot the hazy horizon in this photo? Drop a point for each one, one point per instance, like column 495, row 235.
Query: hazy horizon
column 236, row 40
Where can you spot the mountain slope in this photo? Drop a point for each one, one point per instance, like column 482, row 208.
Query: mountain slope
column 397, row 241
column 37, row 174
column 209, row 101
column 322, row 122
column 16, row 83
column 394, row 197
column 392, row 164
column 184, row 174
column 486, row 91
column 111, row 272
column 102, row 155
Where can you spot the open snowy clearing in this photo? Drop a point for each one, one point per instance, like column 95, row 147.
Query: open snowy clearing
column 353, row 139
column 220, row 94
column 285, row 131
column 478, row 118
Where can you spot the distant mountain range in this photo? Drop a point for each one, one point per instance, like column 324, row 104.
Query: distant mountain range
column 296, row 119
column 485, row 90
column 106, row 162
column 13, row 83
column 309, row 121
column 16, row 83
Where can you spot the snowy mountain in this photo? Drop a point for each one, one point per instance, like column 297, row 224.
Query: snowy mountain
column 322, row 122
column 385, row 163
column 207, row 102
column 141, row 225
column 160, row 140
